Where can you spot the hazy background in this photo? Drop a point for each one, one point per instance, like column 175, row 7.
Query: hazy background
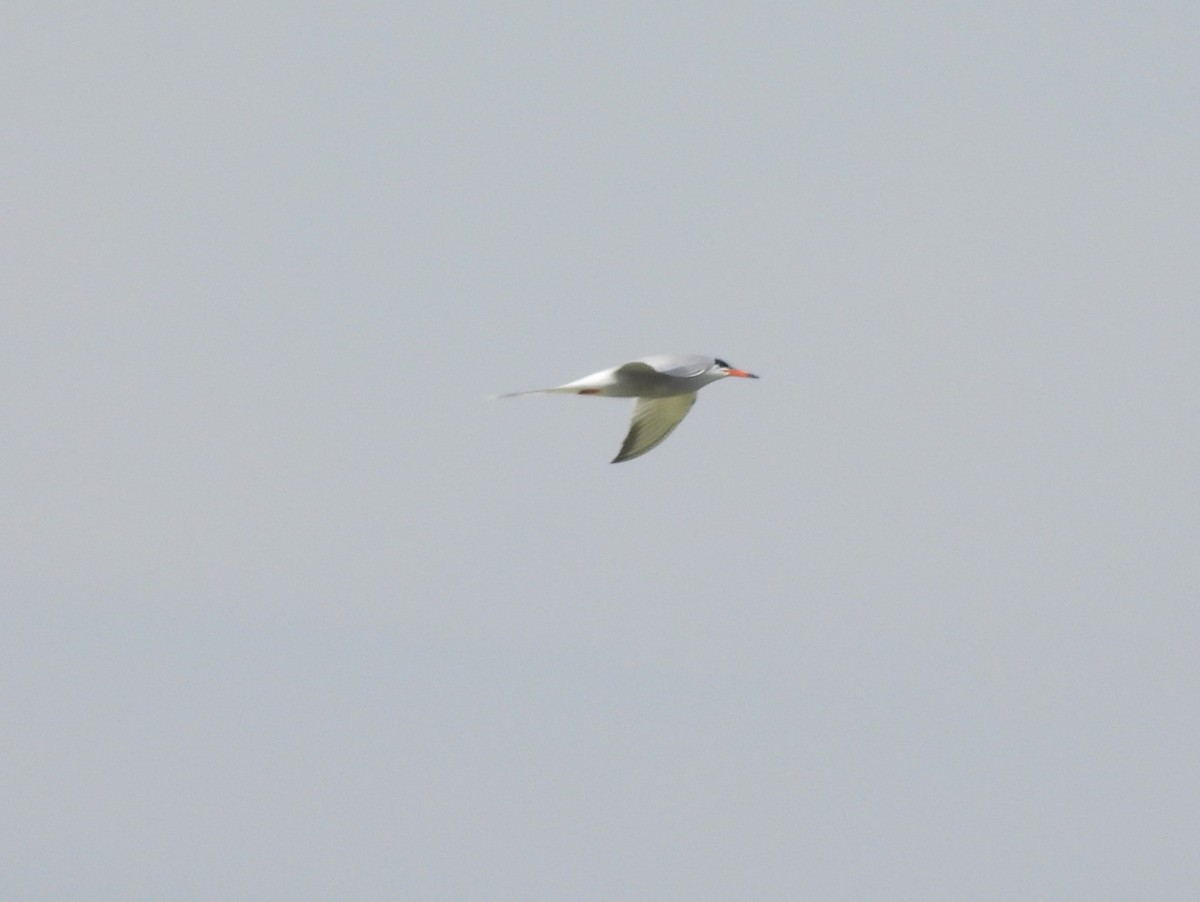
column 292, row 610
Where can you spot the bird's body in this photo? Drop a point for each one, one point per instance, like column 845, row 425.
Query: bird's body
column 665, row 386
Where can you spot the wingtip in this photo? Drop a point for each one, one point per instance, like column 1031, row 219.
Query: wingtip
column 621, row 457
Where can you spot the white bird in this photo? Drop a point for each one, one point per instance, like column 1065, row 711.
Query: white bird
column 665, row 387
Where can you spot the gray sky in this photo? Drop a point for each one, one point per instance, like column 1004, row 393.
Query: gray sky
column 291, row 609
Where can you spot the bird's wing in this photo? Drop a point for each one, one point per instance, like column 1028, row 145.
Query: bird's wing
column 681, row 365
column 635, row 368
column 653, row 420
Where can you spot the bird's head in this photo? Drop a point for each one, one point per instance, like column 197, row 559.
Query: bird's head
column 723, row 369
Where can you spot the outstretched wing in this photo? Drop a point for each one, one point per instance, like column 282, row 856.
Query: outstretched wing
column 680, row 365
column 653, row 420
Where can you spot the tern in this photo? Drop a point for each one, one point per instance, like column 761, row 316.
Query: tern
column 665, row 387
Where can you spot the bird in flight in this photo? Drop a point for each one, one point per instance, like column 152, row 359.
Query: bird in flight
column 665, row 387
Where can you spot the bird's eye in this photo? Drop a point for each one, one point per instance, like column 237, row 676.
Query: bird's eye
column 722, row 363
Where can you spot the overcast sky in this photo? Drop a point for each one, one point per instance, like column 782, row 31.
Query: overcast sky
column 292, row 608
